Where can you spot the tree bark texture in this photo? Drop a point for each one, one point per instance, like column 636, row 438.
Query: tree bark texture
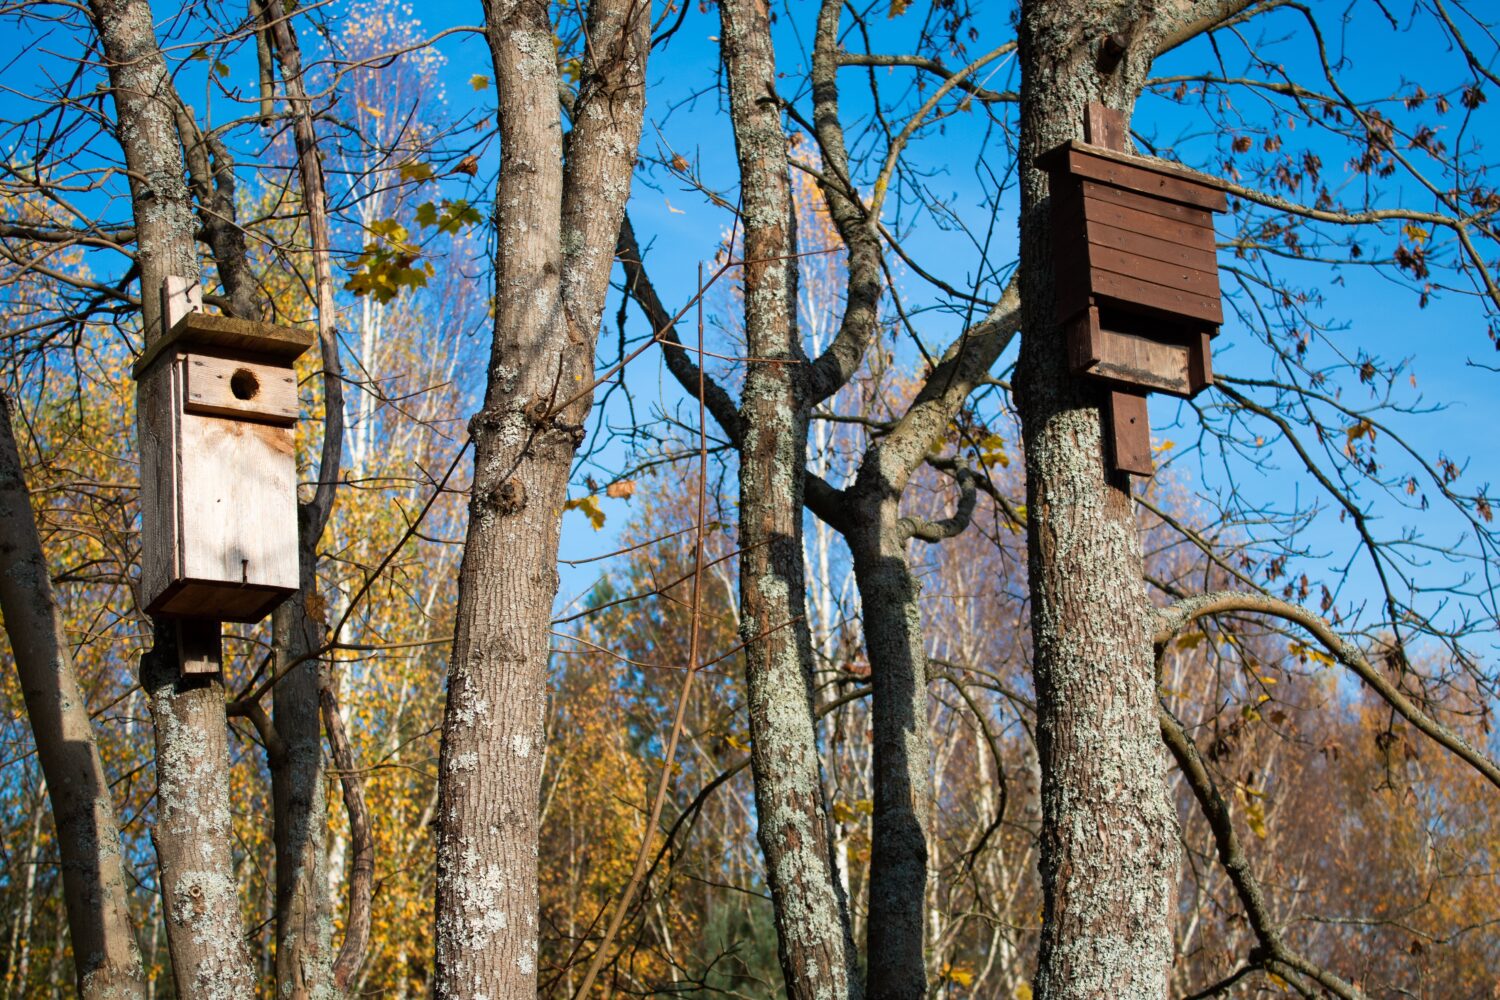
column 816, row 952
column 106, row 960
column 557, row 221
column 1109, row 843
column 200, row 896
column 299, row 804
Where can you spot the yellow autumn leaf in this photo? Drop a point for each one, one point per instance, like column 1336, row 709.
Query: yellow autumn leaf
column 1190, row 640
column 479, row 81
column 590, row 507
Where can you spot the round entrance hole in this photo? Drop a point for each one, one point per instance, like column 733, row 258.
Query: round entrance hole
column 244, row 384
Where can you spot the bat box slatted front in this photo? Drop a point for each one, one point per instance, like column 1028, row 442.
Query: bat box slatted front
column 1137, row 279
column 217, row 400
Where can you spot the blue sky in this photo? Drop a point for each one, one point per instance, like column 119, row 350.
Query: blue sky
column 1368, row 310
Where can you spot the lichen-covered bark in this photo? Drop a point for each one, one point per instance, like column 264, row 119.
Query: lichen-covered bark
column 817, row 955
column 200, row 898
column 556, row 223
column 106, row 961
column 145, row 125
column 1109, row 829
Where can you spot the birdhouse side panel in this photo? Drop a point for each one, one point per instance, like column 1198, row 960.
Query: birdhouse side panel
column 238, row 502
column 158, row 403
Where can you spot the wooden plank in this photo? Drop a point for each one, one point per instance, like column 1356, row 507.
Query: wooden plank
column 208, row 600
column 1182, row 215
column 258, row 341
column 1128, row 432
column 1101, row 235
column 1106, row 127
column 199, row 646
column 1146, row 174
column 1187, row 279
column 1084, row 341
column 1200, row 362
column 1162, row 299
column 179, row 296
column 1150, row 360
column 157, row 406
column 1146, row 182
column 238, row 502
column 1153, row 365
column 240, row 389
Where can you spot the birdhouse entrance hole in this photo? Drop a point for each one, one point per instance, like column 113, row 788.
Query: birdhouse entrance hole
column 244, row 384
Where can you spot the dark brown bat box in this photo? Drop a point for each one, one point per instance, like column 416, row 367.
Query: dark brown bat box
column 1136, row 273
column 217, row 405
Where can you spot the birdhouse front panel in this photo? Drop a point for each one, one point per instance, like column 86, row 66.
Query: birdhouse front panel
column 218, row 404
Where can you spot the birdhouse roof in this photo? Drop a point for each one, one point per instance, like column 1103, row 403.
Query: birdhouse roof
column 262, row 342
column 1144, row 174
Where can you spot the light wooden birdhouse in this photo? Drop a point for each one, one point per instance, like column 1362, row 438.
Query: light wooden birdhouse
column 217, row 405
column 1136, row 275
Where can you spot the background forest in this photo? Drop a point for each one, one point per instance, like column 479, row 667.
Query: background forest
column 1337, row 474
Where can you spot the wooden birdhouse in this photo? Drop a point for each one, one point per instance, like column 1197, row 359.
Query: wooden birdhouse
column 1136, row 275
column 217, row 405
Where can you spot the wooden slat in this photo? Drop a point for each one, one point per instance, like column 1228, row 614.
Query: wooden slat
column 241, row 389
column 206, row 600
column 199, row 646
column 158, row 403
column 1159, row 360
column 1163, row 299
column 1200, row 363
column 1153, row 365
column 1136, row 173
column 1128, row 432
column 1106, row 127
column 1135, row 242
column 258, row 341
column 1187, row 279
column 238, row 502
column 1184, row 215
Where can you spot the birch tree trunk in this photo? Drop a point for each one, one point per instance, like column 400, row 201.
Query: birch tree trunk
column 557, row 221
column 1109, row 850
column 200, row 897
column 106, row 961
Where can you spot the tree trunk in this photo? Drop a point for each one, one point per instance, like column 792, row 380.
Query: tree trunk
column 200, row 897
column 304, row 960
column 902, row 779
column 1109, row 828
column 817, row 954
column 869, row 516
column 105, row 957
column 556, row 228
column 304, row 957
